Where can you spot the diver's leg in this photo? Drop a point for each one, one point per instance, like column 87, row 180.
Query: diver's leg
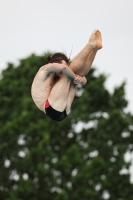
column 59, row 94
column 71, row 96
column 88, row 62
column 81, row 64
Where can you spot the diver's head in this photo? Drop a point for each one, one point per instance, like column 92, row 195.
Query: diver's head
column 58, row 58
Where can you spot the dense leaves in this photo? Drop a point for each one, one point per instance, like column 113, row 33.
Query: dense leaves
column 81, row 157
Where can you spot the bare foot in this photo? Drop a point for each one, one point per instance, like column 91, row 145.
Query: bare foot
column 96, row 40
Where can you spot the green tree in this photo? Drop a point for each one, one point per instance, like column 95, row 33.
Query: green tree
column 44, row 160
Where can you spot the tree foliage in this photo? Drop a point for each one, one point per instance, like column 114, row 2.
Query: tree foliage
column 81, row 157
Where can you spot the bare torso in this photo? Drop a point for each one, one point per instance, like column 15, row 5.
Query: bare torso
column 41, row 87
column 56, row 87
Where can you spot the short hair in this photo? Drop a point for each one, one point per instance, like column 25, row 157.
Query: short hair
column 57, row 58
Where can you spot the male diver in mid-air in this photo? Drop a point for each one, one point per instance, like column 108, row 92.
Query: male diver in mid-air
column 53, row 88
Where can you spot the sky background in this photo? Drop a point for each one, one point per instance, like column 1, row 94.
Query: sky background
column 36, row 26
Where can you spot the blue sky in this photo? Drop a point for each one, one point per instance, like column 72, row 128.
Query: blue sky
column 35, row 26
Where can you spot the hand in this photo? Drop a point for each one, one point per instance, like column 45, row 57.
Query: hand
column 80, row 80
column 77, row 80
